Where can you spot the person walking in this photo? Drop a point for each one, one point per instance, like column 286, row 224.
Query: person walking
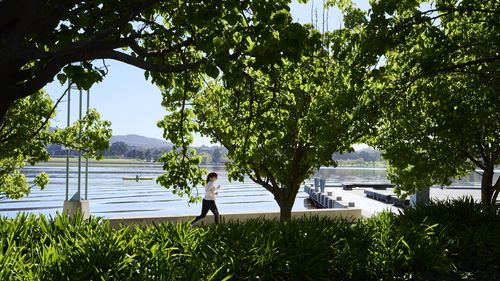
column 209, row 199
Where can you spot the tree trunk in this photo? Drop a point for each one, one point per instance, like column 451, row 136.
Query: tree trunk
column 286, row 201
column 286, row 211
column 487, row 190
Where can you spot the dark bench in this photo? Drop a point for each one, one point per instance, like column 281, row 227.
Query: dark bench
column 379, row 197
column 390, row 199
column 401, row 203
column 376, row 186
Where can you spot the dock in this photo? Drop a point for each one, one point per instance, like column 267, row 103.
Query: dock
column 372, row 198
column 326, row 200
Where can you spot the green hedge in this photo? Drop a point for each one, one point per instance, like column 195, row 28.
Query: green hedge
column 442, row 241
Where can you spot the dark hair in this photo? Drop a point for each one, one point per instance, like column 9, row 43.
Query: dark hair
column 211, row 175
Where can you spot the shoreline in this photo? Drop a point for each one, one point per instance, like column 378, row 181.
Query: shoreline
column 61, row 161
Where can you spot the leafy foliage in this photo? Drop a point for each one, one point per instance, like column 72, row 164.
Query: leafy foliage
column 181, row 164
column 419, row 244
column 40, row 40
column 258, row 37
column 281, row 116
column 282, row 123
column 437, row 90
column 461, row 223
column 25, row 133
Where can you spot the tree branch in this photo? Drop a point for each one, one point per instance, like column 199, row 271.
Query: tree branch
column 258, row 180
column 145, row 53
column 51, row 111
column 167, row 68
column 101, row 34
column 476, row 162
column 464, row 65
column 46, row 74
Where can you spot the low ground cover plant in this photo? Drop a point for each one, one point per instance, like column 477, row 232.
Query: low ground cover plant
column 449, row 240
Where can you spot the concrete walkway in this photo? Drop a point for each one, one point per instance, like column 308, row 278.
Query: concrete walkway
column 350, row 214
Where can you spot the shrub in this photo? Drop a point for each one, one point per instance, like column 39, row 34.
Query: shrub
column 425, row 243
column 469, row 233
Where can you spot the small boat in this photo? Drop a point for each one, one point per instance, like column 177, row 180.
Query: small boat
column 137, row 179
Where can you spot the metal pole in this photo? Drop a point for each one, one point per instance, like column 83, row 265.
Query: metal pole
column 80, row 150
column 86, row 158
column 67, row 151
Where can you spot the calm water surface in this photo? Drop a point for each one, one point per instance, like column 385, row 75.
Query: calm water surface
column 111, row 196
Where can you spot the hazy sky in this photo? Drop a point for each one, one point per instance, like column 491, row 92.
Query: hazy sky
column 133, row 105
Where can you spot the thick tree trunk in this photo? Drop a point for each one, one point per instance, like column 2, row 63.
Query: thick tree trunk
column 487, row 189
column 286, row 201
column 286, row 211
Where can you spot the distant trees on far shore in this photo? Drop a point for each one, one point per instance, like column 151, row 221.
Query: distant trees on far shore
column 211, row 154
column 364, row 155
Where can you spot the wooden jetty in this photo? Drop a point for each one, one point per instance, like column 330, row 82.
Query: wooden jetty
column 326, row 200
column 376, row 191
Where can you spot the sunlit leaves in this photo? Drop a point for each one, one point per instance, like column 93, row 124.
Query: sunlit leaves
column 182, row 173
column 280, row 125
column 181, row 164
column 254, row 34
column 14, row 184
column 438, row 90
column 89, row 134
column 41, row 180
column 25, row 134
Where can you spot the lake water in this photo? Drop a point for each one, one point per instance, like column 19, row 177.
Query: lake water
column 111, row 196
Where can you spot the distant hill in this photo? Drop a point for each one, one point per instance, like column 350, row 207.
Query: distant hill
column 139, row 141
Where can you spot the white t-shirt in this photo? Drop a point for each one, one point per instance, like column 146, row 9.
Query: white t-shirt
column 210, row 190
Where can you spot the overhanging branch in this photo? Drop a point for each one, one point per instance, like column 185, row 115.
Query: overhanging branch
column 475, row 161
column 465, row 64
column 46, row 74
column 135, row 61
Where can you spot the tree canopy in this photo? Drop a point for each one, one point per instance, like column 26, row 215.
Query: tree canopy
column 39, row 39
column 280, row 123
column 438, row 91
column 118, row 148
column 280, row 96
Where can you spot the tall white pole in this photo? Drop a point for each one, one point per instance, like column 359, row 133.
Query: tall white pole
column 80, row 150
column 67, row 150
column 86, row 158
